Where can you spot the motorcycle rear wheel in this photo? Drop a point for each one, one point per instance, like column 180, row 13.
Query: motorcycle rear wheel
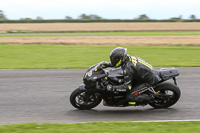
column 167, row 95
column 84, row 100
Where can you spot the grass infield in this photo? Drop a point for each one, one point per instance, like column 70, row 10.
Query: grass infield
column 102, row 127
column 66, row 56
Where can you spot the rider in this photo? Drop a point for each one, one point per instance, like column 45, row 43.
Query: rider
column 138, row 75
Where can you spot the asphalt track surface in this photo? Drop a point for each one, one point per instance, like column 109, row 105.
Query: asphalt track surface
column 43, row 96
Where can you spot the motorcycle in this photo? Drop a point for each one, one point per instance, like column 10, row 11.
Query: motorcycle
column 87, row 96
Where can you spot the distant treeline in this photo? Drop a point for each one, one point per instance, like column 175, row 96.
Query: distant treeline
column 93, row 21
column 84, row 18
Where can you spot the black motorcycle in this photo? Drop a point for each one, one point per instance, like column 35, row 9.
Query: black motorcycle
column 87, row 96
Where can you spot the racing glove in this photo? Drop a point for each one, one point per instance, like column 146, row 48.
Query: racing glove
column 110, row 88
column 105, row 64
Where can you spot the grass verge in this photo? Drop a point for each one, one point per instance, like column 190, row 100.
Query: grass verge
column 66, row 56
column 101, row 127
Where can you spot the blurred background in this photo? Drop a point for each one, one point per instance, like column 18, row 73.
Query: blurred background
column 95, row 23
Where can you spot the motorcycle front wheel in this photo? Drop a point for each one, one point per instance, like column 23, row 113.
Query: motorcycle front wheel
column 84, row 100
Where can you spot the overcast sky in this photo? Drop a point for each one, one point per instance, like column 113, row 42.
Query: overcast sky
column 110, row 9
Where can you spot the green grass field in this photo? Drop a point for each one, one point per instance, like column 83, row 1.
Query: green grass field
column 101, row 127
column 147, row 33
column 62, row 56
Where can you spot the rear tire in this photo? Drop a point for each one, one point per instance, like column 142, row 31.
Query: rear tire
column 84, row 100
column 167, row 95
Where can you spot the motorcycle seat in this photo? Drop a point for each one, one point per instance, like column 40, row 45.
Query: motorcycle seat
column 168, row 73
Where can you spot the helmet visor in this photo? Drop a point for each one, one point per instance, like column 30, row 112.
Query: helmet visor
column 115, row 62
column 119, row 63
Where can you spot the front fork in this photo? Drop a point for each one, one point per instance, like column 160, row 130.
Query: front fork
column 175, row 80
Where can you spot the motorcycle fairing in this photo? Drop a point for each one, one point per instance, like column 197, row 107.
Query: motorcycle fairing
column 116, row 72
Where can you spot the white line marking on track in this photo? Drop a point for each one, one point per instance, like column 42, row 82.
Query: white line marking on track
column 141, row 121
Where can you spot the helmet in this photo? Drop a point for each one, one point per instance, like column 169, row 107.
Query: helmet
column 118, row 56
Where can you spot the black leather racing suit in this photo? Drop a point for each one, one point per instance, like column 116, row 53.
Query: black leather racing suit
column 137, row 74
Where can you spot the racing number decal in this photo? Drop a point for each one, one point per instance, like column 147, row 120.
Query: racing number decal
column 134, row 60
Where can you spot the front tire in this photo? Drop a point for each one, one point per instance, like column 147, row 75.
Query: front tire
column 167, row 95
column 84, row 100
